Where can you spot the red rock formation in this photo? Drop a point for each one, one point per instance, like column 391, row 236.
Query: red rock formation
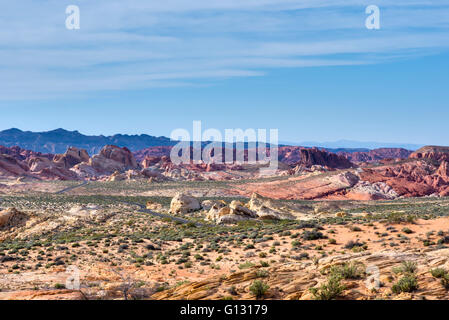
column 314, row 156
column 315, row 187
column 121, row 155
column 37, row 163
column 434, row 153
column 149, row 161
column 57, row 173
column 289, row 155
column 22, row 154
column 152, row 152
column 11, row 167
column 71, row 157
column 377, row 154
column 443, row 170
column 413, row 179
column 113, row 158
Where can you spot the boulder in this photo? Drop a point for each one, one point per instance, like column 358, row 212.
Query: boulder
column 153, row 173
column 151, row 205
column 265, row 208
column 37, row 163
column 225, row 215
column 71, row 157
column 231, row 219
column 183, row 203
column 217, row 209
column 112, row 158
column 207, row 204
column 239, row 209
column 84, row 171
column 341, row 214
column 11, row 217
column 117, row 176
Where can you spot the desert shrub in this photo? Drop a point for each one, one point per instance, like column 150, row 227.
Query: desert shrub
column 59, row 286
column 259, row 288
column 407, row 267
column 264, row 264
column 398, row 217
column 441, row 274
column 246, row 265
column 330, row 290
column 312, row 235
column 438, row 272
column 353, row 244
column 351, row 270
column 407, row 230
column 232, row 290
column 444, row 239
column 262, row 273
column 296, row 243
column 407, row 283
column 249, row 247
column 198, row 257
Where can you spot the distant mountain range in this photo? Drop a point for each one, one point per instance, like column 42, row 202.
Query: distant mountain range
column 57, row 141
column 335, row 146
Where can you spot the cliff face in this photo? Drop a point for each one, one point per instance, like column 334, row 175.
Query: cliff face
column 314, row 156
column 434, row 153
column 417, row 177
column 290, row 155
column 74, row 164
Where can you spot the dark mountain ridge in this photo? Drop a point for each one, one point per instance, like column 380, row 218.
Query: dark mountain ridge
column 58, row 141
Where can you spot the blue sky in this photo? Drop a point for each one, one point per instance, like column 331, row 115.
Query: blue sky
column 308, row 68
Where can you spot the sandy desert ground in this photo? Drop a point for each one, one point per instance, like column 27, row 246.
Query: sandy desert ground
column 328, row 249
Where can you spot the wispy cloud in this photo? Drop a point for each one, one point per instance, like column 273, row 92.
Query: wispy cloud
column 135, row 45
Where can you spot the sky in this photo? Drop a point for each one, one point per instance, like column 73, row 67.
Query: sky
column 309, row 68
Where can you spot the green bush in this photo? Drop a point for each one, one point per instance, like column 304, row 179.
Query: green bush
column 407, row 267
column 351, row 270
column 312, row 235
column 438, row 272
column 407, row 283
column 259, row 288
column 442, row 274
column 407, row 230
column 330, row 290
column 59, row 286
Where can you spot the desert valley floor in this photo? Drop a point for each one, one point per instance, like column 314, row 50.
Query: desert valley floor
column 127, row 243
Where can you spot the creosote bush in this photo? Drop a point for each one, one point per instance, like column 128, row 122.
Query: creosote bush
column 259, row 288
column 330, row 290
column 443, row 275
column 407, row 283
column 351, row 270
